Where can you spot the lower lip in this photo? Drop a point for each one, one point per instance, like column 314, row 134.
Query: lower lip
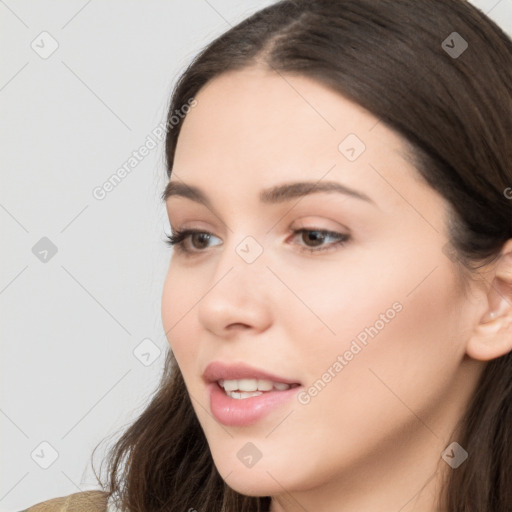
column 241, row 412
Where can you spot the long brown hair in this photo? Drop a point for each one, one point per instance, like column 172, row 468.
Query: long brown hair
column 401, row 60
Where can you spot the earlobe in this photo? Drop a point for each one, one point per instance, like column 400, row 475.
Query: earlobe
column 492, row 336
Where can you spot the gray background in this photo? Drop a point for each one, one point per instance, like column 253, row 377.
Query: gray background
column 82, row 341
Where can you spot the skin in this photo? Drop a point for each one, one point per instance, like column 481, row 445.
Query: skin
column 371, row 439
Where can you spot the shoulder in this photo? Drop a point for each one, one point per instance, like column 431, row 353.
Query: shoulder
column 85, row 501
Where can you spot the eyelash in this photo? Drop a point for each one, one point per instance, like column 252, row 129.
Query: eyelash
column 178, row 238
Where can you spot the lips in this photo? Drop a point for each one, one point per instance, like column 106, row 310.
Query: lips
column 217, row 370
column 241, row 408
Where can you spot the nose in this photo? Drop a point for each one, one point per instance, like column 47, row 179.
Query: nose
column 239, row 295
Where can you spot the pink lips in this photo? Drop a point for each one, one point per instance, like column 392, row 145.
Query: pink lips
column 244, row 411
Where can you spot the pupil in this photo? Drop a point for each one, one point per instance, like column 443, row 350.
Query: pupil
column 204, row 236
column 315, row 236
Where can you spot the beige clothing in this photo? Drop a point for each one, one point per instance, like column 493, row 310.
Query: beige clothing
column 86, row 501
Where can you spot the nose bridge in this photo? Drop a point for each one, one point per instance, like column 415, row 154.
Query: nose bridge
column 238, row 291
column 245, row 262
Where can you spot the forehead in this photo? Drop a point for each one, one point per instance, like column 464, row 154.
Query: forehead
column 257, row 127
column 263, row 103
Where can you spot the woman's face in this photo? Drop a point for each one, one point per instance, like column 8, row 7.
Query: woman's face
column 372, row 325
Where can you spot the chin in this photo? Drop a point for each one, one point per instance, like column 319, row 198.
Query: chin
column 250, row 482
column 267, row 477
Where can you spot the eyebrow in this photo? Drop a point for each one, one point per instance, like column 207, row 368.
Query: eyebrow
column 273, row 195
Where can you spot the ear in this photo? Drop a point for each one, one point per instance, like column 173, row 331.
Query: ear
column 492, row 336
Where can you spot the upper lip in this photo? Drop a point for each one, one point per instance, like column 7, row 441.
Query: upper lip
column 218, row 370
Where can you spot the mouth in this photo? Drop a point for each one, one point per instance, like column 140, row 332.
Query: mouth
column 241, row 395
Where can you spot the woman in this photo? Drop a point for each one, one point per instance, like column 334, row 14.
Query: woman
column 339, row 298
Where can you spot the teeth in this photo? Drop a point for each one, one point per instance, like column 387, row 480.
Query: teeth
column 250, row 387
column 243, row 394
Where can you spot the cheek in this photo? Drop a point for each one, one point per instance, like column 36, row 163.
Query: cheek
column 395, row 351
column 398, row 334
column 178, row 297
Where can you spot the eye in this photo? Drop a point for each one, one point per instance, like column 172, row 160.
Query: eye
column 318, row 236
column 315, row 236
column 179, row 237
